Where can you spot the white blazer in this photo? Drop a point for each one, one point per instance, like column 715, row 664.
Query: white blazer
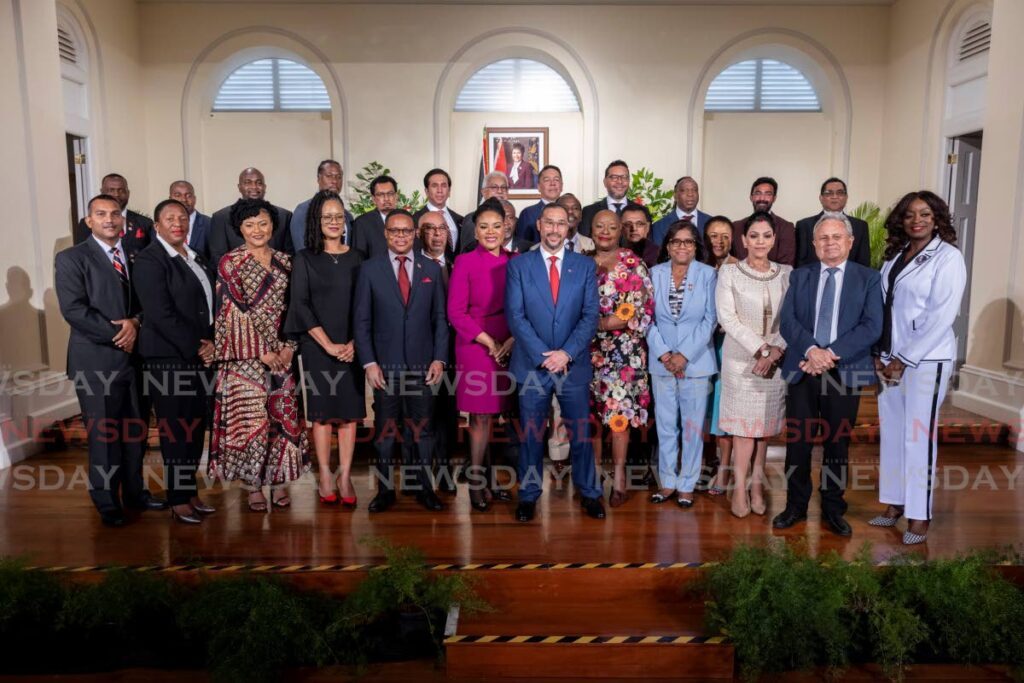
column 926, row 302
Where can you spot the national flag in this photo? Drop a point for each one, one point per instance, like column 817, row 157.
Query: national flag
column 499, row 162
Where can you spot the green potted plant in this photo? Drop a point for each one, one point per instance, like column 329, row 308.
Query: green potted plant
column 872, row 215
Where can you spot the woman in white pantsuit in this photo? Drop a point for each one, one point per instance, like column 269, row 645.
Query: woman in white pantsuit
column 922, row 284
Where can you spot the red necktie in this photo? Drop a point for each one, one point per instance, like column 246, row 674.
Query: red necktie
column 403, row 279
column 553, row 275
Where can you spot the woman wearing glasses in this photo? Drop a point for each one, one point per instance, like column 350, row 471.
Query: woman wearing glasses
column 323, row 284
column 682, row 359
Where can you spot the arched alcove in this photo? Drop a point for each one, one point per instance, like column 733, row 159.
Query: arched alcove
column 213, row 153
column 457, row 135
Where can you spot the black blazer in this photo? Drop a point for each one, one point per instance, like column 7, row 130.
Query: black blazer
column 860, row 253
column 395, row 336
column 590, row 210
column 222, row 237
column 200, row 231
column 177, row 315
column 138, row 233
column 368, row 234
column 91, row 295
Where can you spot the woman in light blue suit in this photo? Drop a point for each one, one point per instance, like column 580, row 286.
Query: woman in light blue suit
column 682, row 359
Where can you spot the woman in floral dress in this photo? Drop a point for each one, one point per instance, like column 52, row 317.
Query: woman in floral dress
column 620, row 390
column 258, row 435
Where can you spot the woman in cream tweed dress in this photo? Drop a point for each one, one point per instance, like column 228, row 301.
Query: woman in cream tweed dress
column 749, row 298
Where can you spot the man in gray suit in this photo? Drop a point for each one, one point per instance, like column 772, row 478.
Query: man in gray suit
column 329, row 176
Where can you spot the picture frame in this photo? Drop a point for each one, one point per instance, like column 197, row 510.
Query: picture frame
column 519, row 153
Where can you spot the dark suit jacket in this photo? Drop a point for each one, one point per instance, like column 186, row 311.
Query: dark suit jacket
column 200, row 234
column 223, row 237
column 138, row 232
column 90, row 296
column 368, row 235
column 526, row 224
column 459, row 220
column 805, row 254
column 297, row 226
column 661, row 226
column 395, row 336
column 784, row 249
column 177, row 315
column 590, row 211
column 860, row 322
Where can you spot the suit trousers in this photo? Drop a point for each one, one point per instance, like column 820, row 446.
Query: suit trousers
column 404, row 410
column 908, row 415
column 813, row 402
column 115, row 435
column 534, row 407
column 182, row 419
column 680, row 405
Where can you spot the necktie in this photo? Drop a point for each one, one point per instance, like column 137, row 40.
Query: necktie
column 688, row 218
column 403, row 279
column 553, row 276
column 823, row 328
column 618, row 207
column 444, row 271
column 569, row 245
column 122, row 271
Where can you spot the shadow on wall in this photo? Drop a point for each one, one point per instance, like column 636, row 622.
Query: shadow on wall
column 997, row 335
column 23, row 343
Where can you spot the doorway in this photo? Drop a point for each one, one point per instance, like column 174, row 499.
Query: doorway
column 78, row 174
column 964, row 167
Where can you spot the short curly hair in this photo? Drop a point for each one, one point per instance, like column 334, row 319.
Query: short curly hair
column 898, row 239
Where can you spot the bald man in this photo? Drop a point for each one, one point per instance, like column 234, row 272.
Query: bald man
column 223, row 237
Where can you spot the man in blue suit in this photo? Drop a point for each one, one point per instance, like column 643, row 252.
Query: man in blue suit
column 830, row 319
column 198, row 223
column 552, row 311
column 549, row 184
column 687, row 196
column 401, row 335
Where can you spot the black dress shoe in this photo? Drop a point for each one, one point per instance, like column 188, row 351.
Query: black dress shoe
column 429, row 500
column 112, row 519
column 837, row 524
column 203, row 508
column 788, row 518
column 525, row 511
column 502, row 495
column 593, row 507
column 148, row 502
column 187, row 518
column 446, row 484
column 382, row 501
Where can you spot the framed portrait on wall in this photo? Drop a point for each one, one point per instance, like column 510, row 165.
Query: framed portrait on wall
column 519, row 153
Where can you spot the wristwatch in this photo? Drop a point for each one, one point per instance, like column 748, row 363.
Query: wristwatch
column 765, row 353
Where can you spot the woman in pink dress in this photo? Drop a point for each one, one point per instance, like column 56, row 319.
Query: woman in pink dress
column 483, row 343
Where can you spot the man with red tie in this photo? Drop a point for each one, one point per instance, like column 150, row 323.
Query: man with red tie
column 401, row 335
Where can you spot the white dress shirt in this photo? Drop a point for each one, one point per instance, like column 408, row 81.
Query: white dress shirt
column 197, row 270
column 560, row 258
column 612, row 202
column 408, row 264
column 822, row 279
column 680, row 214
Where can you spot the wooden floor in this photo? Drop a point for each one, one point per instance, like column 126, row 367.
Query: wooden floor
column 46, row 517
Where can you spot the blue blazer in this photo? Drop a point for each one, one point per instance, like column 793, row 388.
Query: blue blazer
column 526, row 225
column 860, row 322
column 199, row 232
column 387, row 332
column 538, row 325
column 692, row 333
column 660, row 228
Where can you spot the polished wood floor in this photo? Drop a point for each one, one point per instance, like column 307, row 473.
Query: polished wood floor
column 46, row 517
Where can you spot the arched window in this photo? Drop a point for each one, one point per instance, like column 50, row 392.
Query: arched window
column 512, row 85
column 761, row 85
column 272, row 85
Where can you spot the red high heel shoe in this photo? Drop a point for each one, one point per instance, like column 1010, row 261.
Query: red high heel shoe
column 331, row 499
column 349, row 503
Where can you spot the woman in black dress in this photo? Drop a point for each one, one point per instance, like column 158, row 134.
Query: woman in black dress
column 323, row 282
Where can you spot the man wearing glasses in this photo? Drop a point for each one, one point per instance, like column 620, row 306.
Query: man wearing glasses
column 495, row 184
column 368, row 229
column 616, row 182
column 329, row 176
column 763, row 193
column 833, row 202
column 401, row 335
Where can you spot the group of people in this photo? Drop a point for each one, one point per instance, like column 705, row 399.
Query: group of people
column 585, row 322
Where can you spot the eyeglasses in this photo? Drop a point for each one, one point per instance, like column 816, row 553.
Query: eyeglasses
column 332, row 218
column 676, row 243
column 430, row 227
column 400, row 232
column 385, row 195
column 834, row 193
column 555, row 224
column 496, row 188
column 617, row 177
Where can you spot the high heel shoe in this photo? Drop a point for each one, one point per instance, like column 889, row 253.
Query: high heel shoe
column 187, row 518
column 740, row 512
column 885, row 520
column 332, row 499
column 478, row 502
column 759, row 508
column 617, row 498
column 349, row 503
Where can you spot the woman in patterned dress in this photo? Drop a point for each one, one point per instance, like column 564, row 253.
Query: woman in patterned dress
column 620, row 390
column 749, row 298
column 258, row 435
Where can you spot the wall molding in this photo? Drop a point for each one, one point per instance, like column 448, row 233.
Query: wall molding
column 996, row 395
